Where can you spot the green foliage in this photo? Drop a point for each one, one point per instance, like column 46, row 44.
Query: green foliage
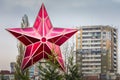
column 2, row 77
column 19, row 74
column 73, row 71
column 50, row 70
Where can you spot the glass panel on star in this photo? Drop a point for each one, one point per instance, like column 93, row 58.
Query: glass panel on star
column 34, row 34
column 58, row 30
column 51, row 46
column 48, row 22
column 28, row 51
column 35, row 47
column 38, row 57
column 57, row 51
column 45, row 12
column 66, row 36
column 18, row 30
column 60, row 61
column 54, row 39
column 28, row 64
column 24, row 62
column 46, row 28
column 37, row 23
column 61, row 40
column 46, row 55
column 40, row 13
column 59, row 56
column 47, row 49
column 33, row 40
column 27, row 30
column 70, row 33
column 15, row 34
column 51, row 35
column 24, row 40
column 70, row 30
column 40, row 29
column 39, row 50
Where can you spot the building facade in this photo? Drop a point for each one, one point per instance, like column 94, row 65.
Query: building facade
column 34, row 72
column 12, row 66
column 96, row 50
column 6, row 75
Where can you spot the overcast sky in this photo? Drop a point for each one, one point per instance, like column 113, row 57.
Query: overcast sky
column 63, row 13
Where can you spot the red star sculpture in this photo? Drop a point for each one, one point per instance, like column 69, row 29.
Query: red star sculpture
column 41, row 39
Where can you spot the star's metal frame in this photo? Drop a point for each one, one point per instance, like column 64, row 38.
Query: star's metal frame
column 41, row 39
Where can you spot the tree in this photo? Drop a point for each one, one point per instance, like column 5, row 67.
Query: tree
column 50, row 69
column 73, row 71
column 2, row 77
column 19, row 74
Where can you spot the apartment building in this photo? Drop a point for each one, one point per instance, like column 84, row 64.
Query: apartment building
column 34, row 72
column 96, row 50
column 6, row 75
column 12, row 66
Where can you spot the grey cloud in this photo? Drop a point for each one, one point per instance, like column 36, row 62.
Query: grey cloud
column 65, row 13
column 117, row 1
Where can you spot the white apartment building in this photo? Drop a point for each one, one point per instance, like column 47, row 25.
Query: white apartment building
column 96, row 48
column 6, row 75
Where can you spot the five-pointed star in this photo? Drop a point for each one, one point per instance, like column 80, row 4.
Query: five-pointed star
column 41, row 39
